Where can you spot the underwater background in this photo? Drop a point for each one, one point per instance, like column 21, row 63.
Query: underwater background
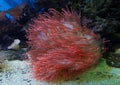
column 101, row 17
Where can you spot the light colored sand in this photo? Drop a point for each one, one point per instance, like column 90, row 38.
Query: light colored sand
column 17, row 73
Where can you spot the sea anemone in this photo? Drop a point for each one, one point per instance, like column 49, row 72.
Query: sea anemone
column 61, row 48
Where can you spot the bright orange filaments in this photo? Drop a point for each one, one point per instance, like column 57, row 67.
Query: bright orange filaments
column 61, row 47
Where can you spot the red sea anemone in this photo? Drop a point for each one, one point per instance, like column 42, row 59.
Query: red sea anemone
column 61, row 48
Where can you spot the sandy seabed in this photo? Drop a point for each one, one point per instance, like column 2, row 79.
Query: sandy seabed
column 17, row 72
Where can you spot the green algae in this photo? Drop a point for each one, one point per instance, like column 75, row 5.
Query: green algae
column 99, row 72
column 117, row 51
